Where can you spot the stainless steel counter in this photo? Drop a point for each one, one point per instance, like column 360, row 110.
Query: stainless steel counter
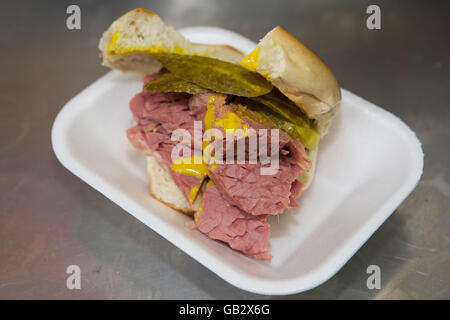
column 50, row 219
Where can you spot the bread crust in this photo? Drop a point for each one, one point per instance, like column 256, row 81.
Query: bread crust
column 297, row 72
column 219, row 51
column 137, row 59
column 328, row 89
column 307, row 177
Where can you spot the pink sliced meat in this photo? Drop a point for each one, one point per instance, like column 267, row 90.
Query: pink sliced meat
column 183, row 181
column 137, row 138
column 241, row 231
column 287, row 146
column 244, row 186
column 157, row 114
column 235, row 208
column 296, row 189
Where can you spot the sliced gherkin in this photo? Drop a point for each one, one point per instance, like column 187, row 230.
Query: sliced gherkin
column 309, row 137
column 280, row 104
column 303, row 130
column 216, row 75
column 168, row 82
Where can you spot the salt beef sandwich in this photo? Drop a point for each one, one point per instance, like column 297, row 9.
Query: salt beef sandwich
column 282, row 85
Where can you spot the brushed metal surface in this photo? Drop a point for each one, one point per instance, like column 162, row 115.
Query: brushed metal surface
column 49, row 219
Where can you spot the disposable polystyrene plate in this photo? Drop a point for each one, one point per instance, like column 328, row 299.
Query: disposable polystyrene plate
column 367, row 165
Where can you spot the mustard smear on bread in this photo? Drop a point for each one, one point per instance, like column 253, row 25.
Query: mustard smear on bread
column 251, row 61
column 114, row 48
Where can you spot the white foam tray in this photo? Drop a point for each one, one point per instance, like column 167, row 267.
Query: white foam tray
column 368, row 163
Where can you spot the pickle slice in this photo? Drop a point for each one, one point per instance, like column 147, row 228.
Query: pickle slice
column 282, row 117
column 216, row 75
column 280, row 104
column 308, row 137
column 168, row 82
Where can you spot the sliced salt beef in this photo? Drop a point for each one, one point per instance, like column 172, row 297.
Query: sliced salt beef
column 225, row 222
column 235, row 209
column 170, row 111
column 137, row 138
column 157, row 114
column 250, row 119
column 197, row 104
column 296, row 190
column 154, row 141
column 243, row 184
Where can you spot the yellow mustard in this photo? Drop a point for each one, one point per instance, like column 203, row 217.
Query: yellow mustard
column 231, row 123
column 193, row 166
column 210, row 113
column 114, row 47
column 251, row 61
column 193, row 193
column 198, row 213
